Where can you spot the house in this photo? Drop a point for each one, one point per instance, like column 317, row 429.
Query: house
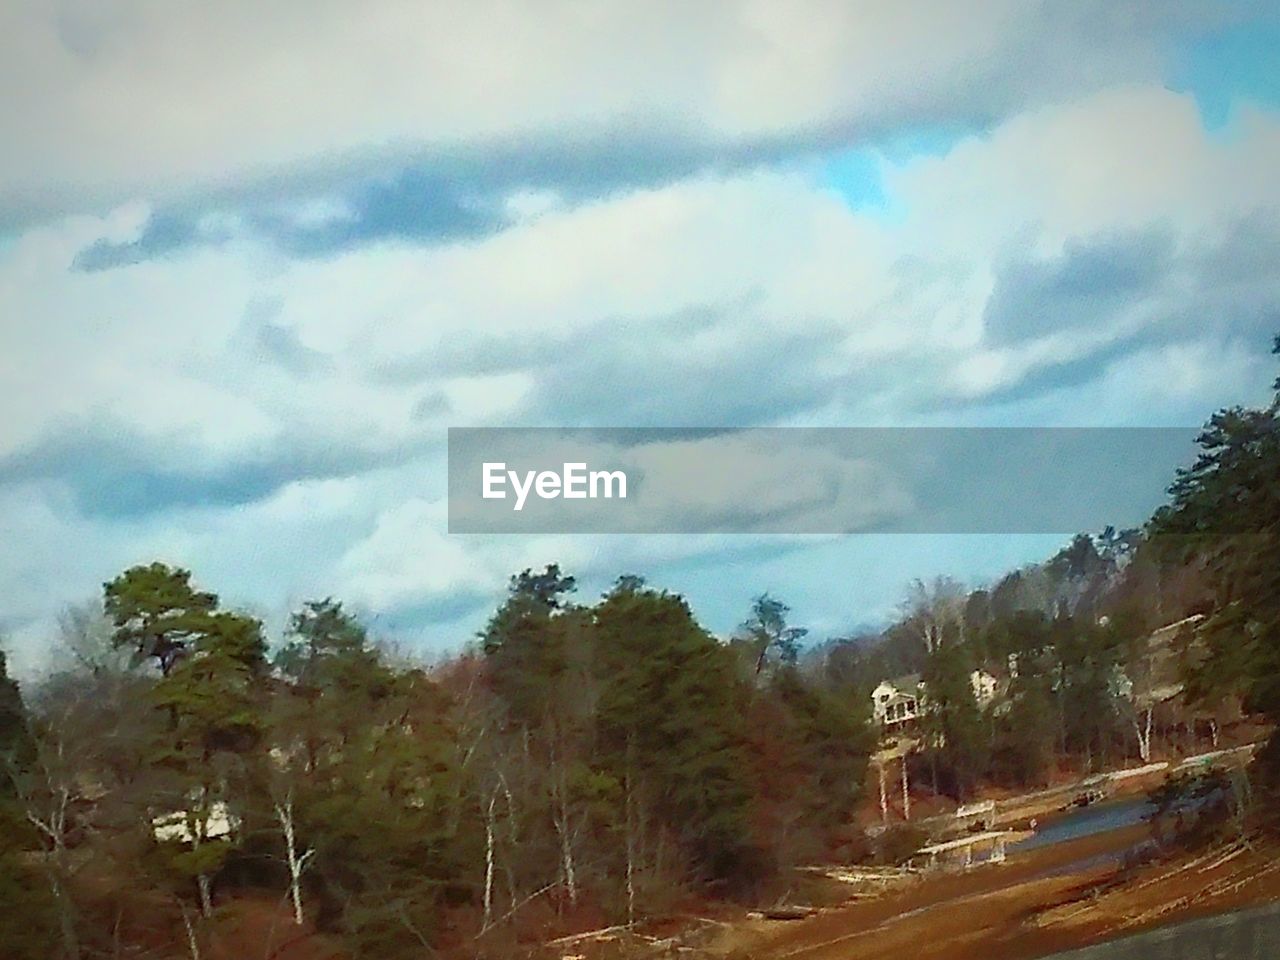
column 183, row 825
column 899, row 702
column 985, row 686
column 896, row 702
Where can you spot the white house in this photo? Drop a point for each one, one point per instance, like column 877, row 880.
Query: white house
column 984, row 688
column 219, row 823
column 900, row 701
column 896, row 702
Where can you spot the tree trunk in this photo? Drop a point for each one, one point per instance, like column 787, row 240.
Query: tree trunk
column 906, row 794
column 1144, row 737
column 488, row 865
column 66, row 922
column 297, row 864
column 566, row 855
column 561, row 818
column 192, row 943
column 884, row 800
column 514, row 836
column 206, row 899
column 631, row 852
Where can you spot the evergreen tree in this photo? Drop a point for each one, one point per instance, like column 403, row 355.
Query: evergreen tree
column 811, row 748
column 214, row 698
column 527, row 648
column 1225, row 513
column 28, row 920
column 1023, row 745
column 156, row 612
column 767, row 635
column 953, row 727
column 333, row 679
column 670, row 715
column 16, row 748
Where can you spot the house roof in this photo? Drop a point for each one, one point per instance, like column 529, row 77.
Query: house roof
column 907, row 683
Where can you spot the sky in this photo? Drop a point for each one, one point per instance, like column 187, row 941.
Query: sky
column 255, row 259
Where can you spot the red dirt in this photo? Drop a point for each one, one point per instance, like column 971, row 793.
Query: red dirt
column 1015, row 911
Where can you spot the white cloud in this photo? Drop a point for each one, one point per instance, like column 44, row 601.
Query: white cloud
column 163, row 346
column 156, row 97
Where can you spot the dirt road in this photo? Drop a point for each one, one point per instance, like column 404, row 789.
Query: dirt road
column 1037, row 903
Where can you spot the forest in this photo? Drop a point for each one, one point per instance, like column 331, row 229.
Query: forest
column 185, row 784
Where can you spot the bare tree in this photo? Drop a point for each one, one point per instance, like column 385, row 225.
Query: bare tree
column 296, row 860
column 47, row 792
column 936, row 611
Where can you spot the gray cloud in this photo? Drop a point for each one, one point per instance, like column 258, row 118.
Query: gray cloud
column 167, row 232
column 112, row 471
column 645, row 371
column 1222, row 288
column 424, row 192
column 1083, row 288
column 436, row 196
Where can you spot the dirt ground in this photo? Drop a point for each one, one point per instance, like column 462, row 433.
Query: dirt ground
column 1034, row 904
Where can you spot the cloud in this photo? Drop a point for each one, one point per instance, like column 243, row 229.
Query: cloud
column 1082, row 288
column 243, row 296
column 171, row 101
column 692, row 368
column 113, row 471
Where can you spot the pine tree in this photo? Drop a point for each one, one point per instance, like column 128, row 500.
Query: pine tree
column 1225, row 514
column 28, row 921
column 156, row 612
column 952, row 720
column 671, row 715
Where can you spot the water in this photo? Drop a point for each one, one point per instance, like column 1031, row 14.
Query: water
column 1086, row 822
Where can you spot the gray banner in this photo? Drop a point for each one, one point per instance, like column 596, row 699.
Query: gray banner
column 810, row 481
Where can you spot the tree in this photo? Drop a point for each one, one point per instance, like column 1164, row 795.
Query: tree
column 213, row 696
column 156, row 612
column 935, row 612
column 1022, row 747
column 380, row 824
column 356, row 743
column 527, row 650
column 766, row 632
column 36, row 794
column 810, row 748
column 671, row 722
column 333, row 676
column 1091, row 687
column 28, row 922
column 537, row 649
column 1224, row 513
column 16, row 747
column 952, row 721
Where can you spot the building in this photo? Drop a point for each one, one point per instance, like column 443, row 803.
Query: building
column 985, row 686
column 898, row 703
column 182, row 825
